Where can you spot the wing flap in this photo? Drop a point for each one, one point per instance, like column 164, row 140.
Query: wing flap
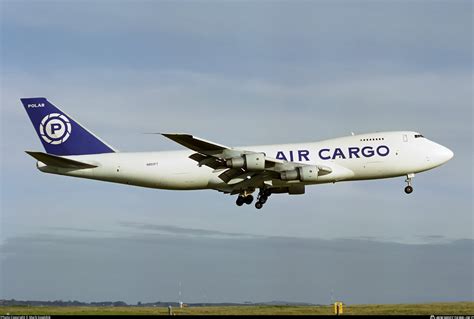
column 58, row 161
column 210, row 161
column 255, row 181
column 230, row 174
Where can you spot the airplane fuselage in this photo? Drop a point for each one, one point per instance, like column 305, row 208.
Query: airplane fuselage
column 355, row 157
column 72, row 150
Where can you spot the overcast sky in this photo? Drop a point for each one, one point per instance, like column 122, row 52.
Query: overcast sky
column 238, row 73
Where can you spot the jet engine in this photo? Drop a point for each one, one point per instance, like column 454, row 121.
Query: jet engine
column 251, row 162
column 304, row 174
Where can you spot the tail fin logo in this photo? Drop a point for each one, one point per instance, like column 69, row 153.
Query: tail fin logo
column 55, row 128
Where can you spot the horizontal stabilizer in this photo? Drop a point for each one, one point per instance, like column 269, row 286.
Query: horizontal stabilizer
column 59, row 161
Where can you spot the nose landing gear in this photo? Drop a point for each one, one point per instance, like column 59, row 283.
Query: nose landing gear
column 409, row 188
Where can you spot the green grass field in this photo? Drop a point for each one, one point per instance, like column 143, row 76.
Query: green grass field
column 455, row 308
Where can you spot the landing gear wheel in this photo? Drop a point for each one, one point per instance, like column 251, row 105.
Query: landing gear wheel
column 249, row 199
column 258, row 205
column 409, row 188
column 240, row 201
column 263, row 199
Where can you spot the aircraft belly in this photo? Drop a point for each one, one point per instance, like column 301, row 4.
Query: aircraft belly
column 182, row 180
column 181, row 174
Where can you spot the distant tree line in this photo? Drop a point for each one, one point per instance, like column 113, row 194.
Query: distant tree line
column 75, row 303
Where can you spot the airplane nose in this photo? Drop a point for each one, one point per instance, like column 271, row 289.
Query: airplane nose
column 449, row 154
column 444, row 154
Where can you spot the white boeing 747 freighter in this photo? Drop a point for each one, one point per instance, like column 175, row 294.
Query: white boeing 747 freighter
column 72, row 150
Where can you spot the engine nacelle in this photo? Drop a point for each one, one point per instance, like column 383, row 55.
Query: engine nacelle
column 290, row 175
column 251, row 162
column 308, row 173
column 304, row 174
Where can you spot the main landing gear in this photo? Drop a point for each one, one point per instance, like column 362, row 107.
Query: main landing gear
column 247, row 198
column 409, row 188
column 262, row 198
column 244, row 199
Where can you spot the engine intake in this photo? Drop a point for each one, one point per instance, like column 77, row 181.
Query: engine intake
column 304, row 174
column 251, row 162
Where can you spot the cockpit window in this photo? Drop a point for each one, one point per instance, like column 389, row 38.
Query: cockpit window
column 418, row 135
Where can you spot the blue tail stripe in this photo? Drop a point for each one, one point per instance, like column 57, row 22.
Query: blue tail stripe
column 59, row 133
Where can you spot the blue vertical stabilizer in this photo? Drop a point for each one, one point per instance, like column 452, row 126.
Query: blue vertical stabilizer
column 59, row 133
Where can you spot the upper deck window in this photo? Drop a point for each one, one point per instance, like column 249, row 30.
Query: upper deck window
column 418, row 135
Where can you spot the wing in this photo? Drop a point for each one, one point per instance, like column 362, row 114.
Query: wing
column 197, row 144
column 241, row 168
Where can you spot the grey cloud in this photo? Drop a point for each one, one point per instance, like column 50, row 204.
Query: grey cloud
column 209, row 19
column 154, row 100
column 243, row 38
column 140, row 230
column 176, row 230
column 435, row 237
column 74, row 229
